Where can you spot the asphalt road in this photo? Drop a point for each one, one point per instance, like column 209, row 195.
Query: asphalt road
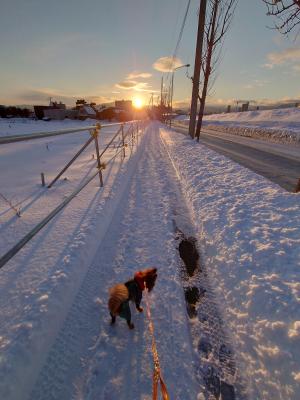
column 277, row 165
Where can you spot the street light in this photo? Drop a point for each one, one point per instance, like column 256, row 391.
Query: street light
column 172, row 87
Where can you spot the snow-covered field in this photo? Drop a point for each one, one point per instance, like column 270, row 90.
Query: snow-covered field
column 281, row 125
column 55, row 338
column 22, row 126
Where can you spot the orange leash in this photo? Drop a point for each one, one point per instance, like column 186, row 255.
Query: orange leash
column 156, row 372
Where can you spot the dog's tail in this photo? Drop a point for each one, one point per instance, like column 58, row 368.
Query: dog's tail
column 117, row 295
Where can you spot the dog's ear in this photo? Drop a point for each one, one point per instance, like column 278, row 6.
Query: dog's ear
column 150, row 280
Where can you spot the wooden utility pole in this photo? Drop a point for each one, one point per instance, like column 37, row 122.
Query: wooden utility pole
column 161, row 92
column 197, row 67
column 207, row 69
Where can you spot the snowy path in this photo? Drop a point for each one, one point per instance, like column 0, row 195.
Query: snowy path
column 55, row 339
column 92, row 360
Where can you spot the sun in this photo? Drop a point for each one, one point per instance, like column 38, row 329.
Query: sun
column 137, row 103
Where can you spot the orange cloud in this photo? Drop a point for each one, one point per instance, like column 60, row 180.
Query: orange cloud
column 291, row 54
column 135, row 75
column 127, row 85
column 167, row 64
column 134, row 85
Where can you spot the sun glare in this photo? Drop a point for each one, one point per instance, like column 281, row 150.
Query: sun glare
column 137, row 103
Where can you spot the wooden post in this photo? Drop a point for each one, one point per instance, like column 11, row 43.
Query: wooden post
column 123, row 142
column 43, row 178
column 132, row 141
column 95, row 133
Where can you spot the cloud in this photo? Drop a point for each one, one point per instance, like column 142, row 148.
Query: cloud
column 268, row 66
column 134, row 85
column 289, row 55
column 136, row 74
column 127, row 85
column 43, row 95
column 167, row 64
column 257, row 83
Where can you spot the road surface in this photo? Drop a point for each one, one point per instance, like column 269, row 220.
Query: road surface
column 279, row 163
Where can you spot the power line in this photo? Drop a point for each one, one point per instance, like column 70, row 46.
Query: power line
column 178, row 41
column 182, row 29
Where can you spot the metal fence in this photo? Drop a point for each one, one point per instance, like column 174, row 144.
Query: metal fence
column 126, row 136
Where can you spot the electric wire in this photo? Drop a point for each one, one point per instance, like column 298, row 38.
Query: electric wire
column 175, row 52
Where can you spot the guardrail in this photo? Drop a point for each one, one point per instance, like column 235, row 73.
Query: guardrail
column 41, row 135
column 124, row 139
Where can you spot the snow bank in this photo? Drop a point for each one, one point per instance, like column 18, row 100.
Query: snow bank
column 270, row 134
column 249, row 232
column 22, row 126
column 282, row 125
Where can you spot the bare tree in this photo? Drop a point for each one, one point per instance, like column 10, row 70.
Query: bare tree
column 220, row 17
column 287, row 13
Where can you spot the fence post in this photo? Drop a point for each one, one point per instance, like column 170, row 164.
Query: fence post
column 132, row 141
column 95, row 134
column 43, row 178
column 123, row 142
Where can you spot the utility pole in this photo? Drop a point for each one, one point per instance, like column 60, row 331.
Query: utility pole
column 197, row 67
column 161, row 113
column 172, row 90
column 161, row 91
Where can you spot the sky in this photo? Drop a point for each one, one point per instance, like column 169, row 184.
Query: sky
column 105, row 50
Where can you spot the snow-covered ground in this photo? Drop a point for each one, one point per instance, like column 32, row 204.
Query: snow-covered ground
column 250, row 240
column 43, row 278
column 278, row 125
column 22, row 126
column 55, row 338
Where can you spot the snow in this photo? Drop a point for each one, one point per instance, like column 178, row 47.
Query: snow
column 250, row 240
column 17, row 126
column 281, row 125
column 53, row 294
column 64, row 273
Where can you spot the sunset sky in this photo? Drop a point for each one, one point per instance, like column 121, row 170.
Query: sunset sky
column 106, row 50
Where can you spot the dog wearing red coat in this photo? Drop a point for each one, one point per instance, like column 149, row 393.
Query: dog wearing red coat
column 132, row 290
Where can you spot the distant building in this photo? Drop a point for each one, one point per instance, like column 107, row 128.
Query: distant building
column 39, row 111
column 60, row 114
column 87, row 111
column 125, row 105
column 245, row 107
column 56, row 108
column 107, row 113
